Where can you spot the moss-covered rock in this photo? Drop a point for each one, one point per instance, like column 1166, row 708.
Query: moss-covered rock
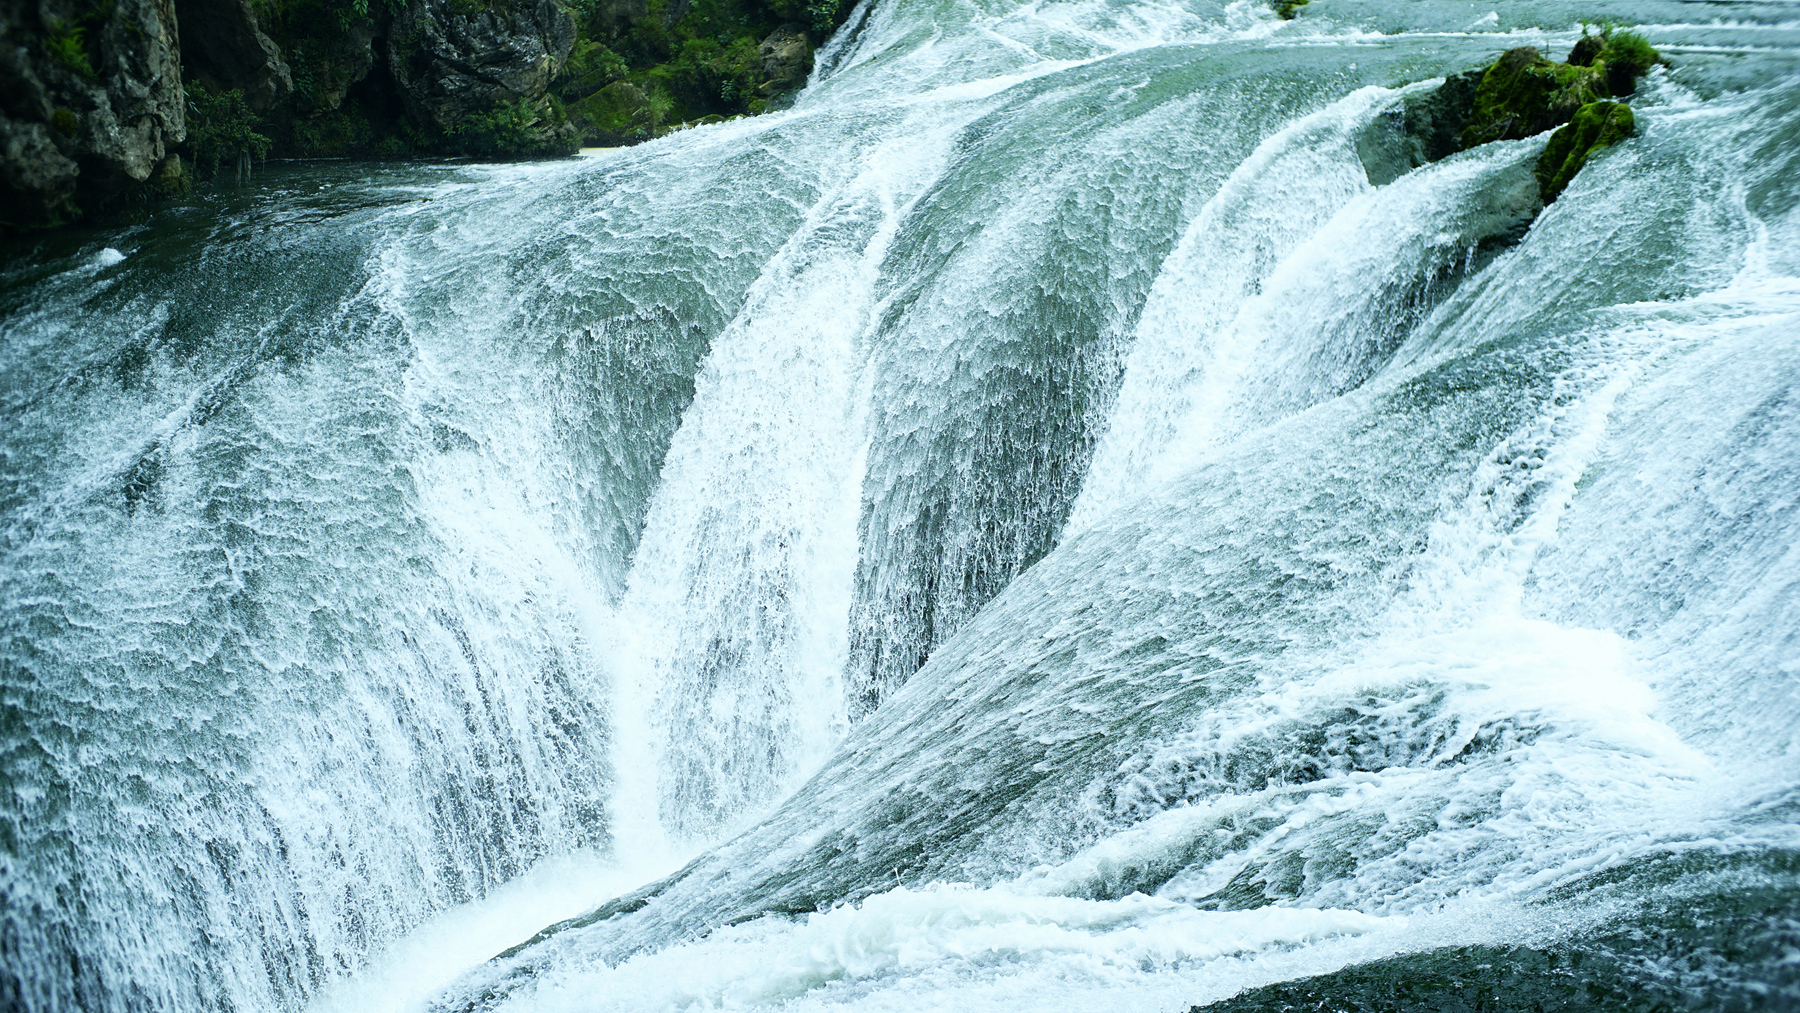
column 1524, row 94
column 1594, row 127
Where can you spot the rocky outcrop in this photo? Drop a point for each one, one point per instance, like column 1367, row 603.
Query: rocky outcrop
column 1523, row 94
column 90, row 104
column 783, row 60
column 222, row 45
column 1422, row 128
column 1520, row 95
column 331, row 65
column 453, row 59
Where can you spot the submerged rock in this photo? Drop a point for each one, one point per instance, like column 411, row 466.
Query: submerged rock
column 1701, row 941
column 1595, row 126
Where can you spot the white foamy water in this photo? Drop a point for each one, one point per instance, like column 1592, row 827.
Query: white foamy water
column 1034, row 525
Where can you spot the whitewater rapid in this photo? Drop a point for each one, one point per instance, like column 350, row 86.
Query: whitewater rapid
column 1044, row 522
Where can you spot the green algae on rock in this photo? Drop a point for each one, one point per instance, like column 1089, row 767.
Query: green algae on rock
column 1524, row 94
column 1595, row 126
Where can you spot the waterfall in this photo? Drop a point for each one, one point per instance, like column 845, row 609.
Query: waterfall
column 1046, row 521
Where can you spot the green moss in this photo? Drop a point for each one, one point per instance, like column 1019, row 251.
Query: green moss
column 1286, row 9
column 1594, row 127
column 1524, row 94
column 65, row 121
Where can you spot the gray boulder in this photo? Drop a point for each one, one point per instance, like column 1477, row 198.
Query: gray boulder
column 783, row 60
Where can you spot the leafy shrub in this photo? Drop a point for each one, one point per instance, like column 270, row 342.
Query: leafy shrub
column 1629, row 51
column 512, row 128
column 221, row 127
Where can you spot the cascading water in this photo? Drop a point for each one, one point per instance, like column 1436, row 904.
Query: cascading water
column 1053, row 520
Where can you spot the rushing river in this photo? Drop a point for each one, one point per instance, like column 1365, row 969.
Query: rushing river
column 1035, row 526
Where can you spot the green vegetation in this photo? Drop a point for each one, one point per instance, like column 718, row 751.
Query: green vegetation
column 511, row 129
column 1595, row 126
column 1627, row 57
column 1286, row 9
column 1524, row 94
column 221, row 128
column 67, row 45
column 641, row 65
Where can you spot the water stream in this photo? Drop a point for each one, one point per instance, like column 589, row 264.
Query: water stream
column 1042, row 523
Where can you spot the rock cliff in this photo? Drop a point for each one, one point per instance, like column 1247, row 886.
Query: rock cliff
column 454, row 59
column 104, row 98
column 91, row 104
column 100, row 99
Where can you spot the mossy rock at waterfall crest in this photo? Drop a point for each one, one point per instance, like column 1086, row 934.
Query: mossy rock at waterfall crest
column 1595, row 126
column 1524, row 94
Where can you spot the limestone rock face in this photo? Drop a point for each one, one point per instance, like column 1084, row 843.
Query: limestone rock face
column 783, row 60
column 455, row 58
column 332, row 65
column 221, row 41
column 90, row 102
